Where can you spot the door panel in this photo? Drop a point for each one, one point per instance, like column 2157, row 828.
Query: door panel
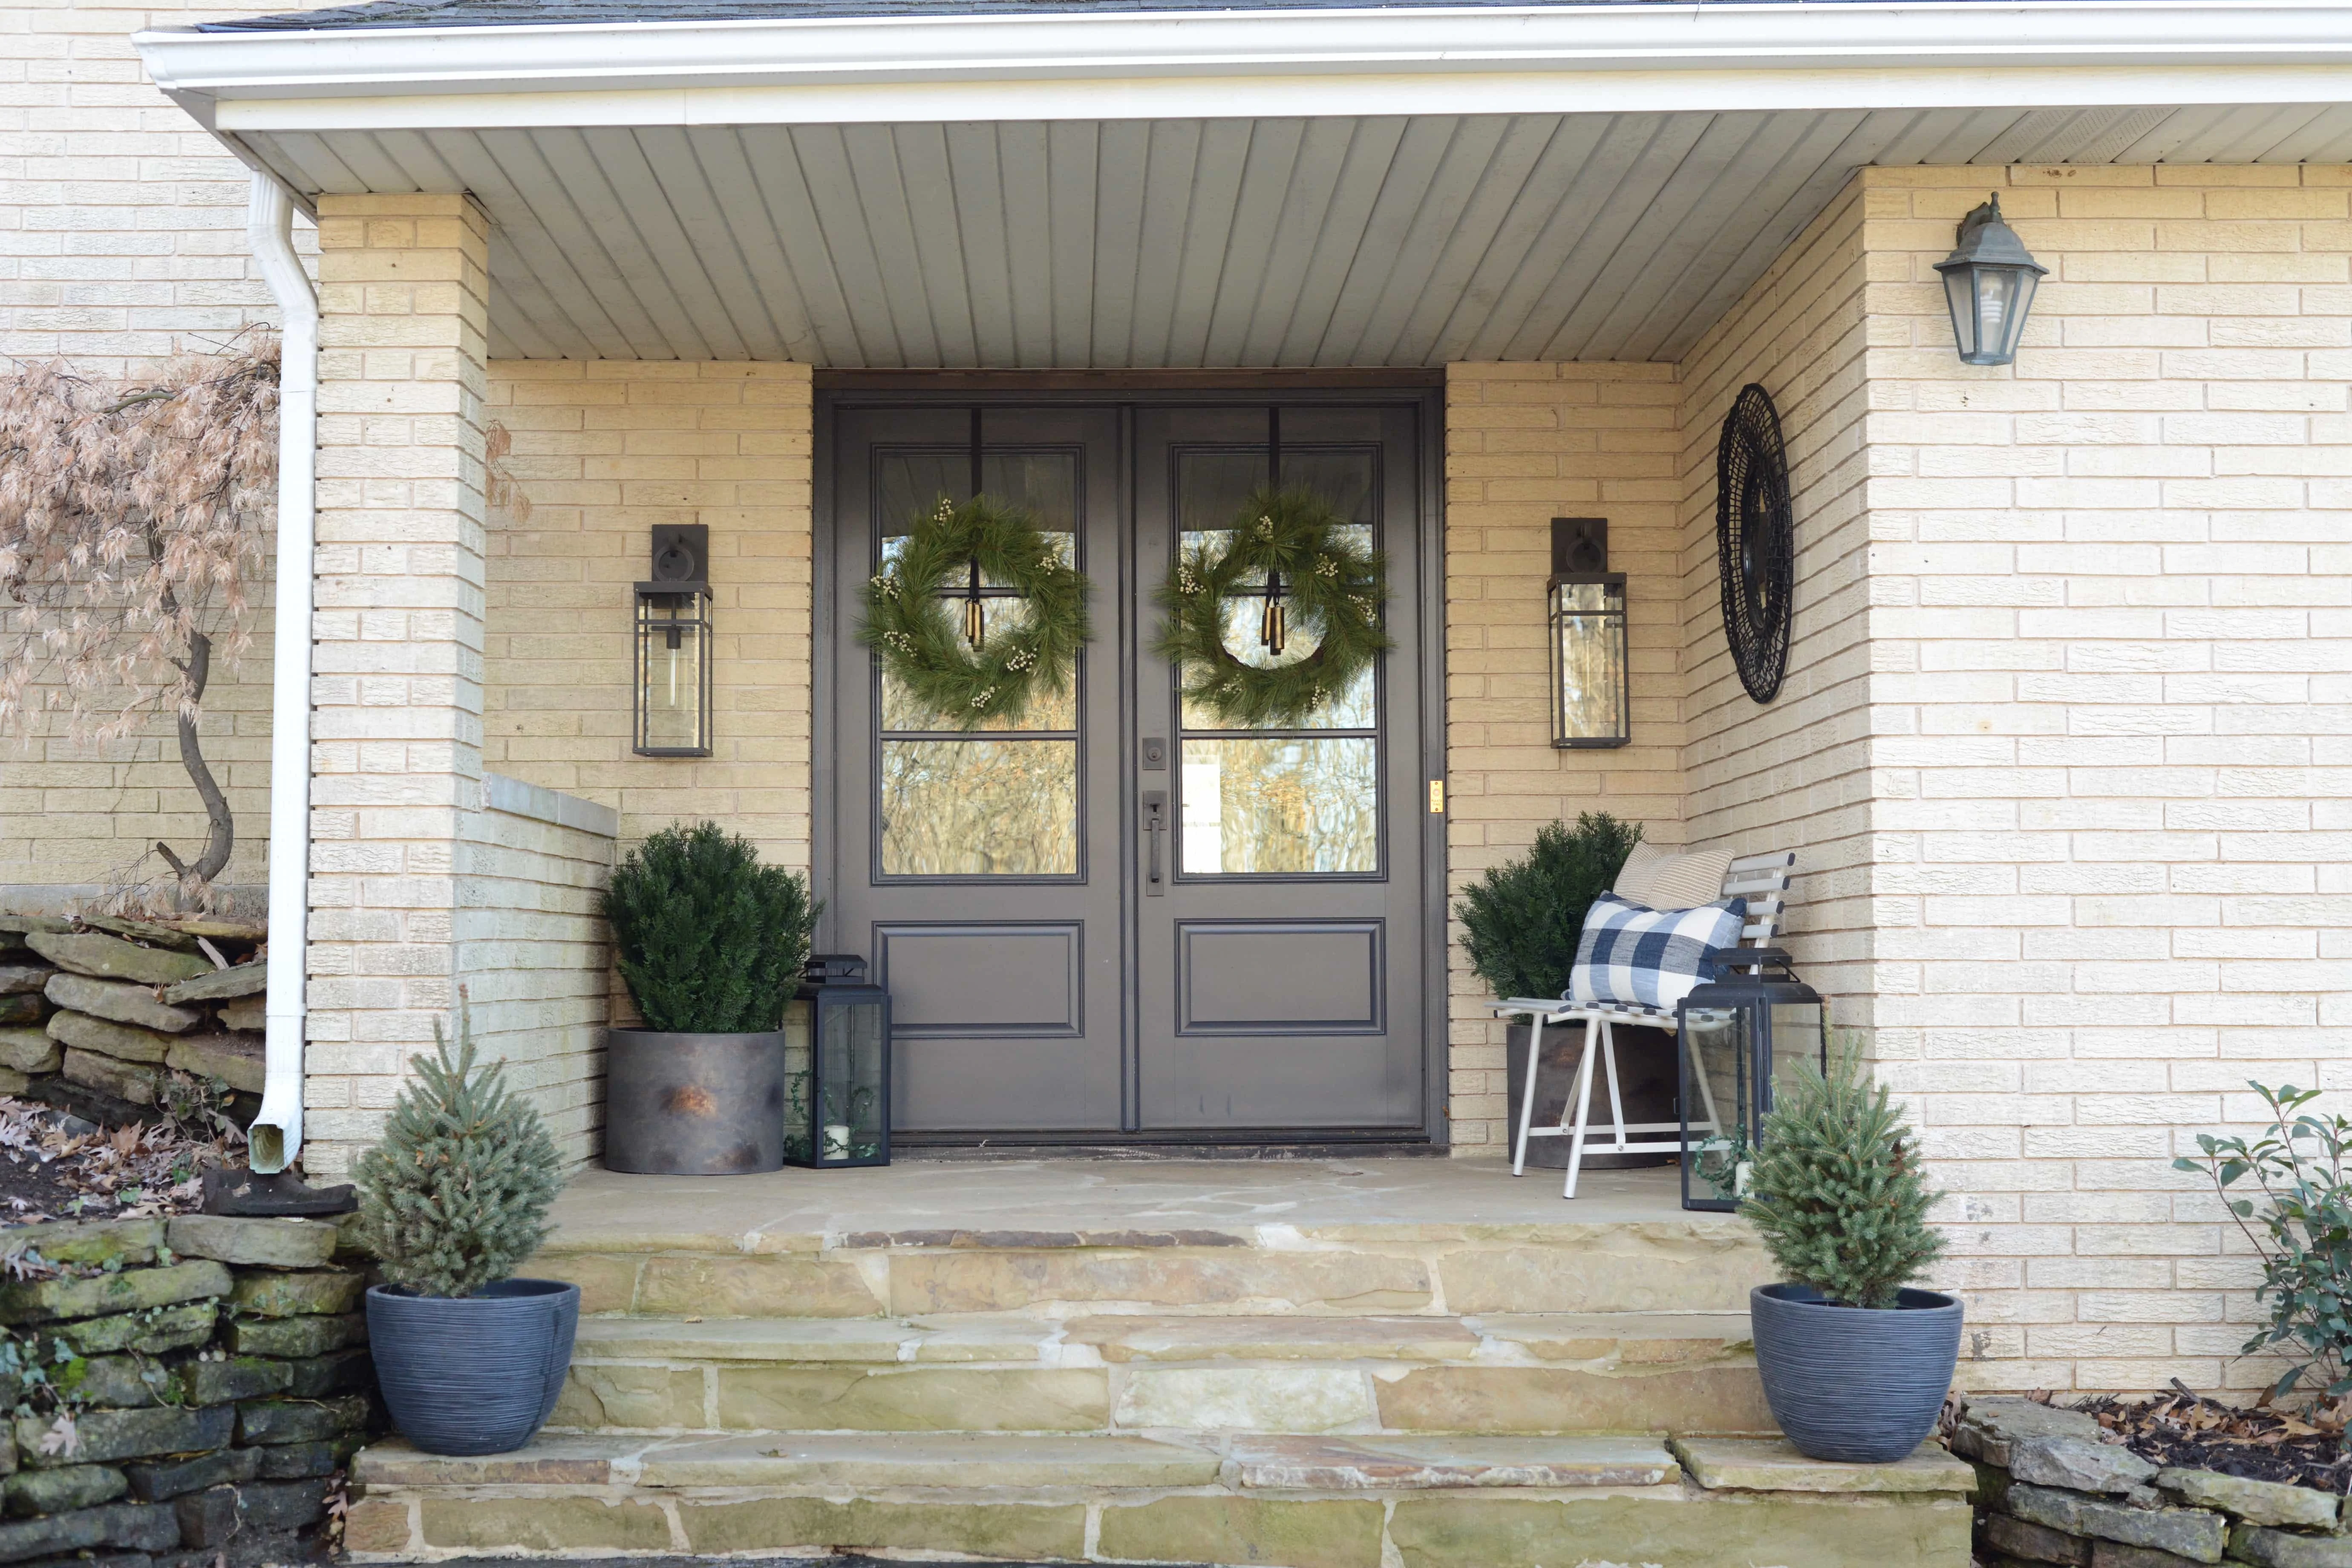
column 981, row 871
column 1263, row 996
column 1113, row 919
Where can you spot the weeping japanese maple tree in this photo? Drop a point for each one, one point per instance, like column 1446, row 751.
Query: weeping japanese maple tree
column 134, row 515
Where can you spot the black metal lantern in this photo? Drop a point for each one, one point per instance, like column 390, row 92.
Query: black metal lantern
column 1592, row 702
column 837, row 1076
column 1740, row 1037
column 672, row 689
column 1988, row 282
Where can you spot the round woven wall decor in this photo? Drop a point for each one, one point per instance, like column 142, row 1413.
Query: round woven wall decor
column 1755, row 541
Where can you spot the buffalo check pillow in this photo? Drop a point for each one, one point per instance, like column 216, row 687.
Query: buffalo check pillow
column 1633, row 957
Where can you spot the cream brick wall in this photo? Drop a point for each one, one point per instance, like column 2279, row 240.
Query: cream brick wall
column 533, row 950
column 397, row 759
column 1792, row 774
column 604, row 450
column 121, row 240
column 1525, row 443
column 2112, row 616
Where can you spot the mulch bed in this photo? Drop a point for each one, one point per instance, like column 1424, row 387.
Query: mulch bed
column 2188, row 1430
column 58, row 1166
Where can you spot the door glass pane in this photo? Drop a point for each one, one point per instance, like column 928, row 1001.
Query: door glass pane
column 1211, row 488
column 980, row 807
column 911, row 486
column 1296, row 804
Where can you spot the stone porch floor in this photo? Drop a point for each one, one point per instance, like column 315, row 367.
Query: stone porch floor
column 1018, row 1202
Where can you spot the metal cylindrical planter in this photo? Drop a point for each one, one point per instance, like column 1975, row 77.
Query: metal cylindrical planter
column 1647, row 1084
column 694, row 1105
column 472, row 1374
column 1853, row 1384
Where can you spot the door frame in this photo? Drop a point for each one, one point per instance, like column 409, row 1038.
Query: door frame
column 1423, row 391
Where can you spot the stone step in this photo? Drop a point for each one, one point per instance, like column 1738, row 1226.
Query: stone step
column 1693, row 1264
column 1285, row 1500
column 1520, row 1372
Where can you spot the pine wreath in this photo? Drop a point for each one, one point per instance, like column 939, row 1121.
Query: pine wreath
column 948, row 661
column 1317, row 580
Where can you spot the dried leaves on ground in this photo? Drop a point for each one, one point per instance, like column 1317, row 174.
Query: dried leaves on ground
column 60, row 1167
column 2180, row 1428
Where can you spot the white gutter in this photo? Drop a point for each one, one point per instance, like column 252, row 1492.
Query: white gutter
column 1859, row 53
column 276, row 1132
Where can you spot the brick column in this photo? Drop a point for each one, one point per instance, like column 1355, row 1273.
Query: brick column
column 397, row 758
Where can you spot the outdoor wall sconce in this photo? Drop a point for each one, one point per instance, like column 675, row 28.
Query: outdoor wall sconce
column 1591, row 705
column 672, row 689
column 1741, row 1036
column 1989, row 281
column 838, row 1081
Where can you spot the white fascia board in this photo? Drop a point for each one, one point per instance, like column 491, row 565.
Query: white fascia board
column 1159, row 99
column 1139, row 64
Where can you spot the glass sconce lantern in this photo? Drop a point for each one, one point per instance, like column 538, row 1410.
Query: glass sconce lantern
column 1988, row 282
column 672, row 689
column 1591, row 705
column 1740, row 1037
column 837, row 1073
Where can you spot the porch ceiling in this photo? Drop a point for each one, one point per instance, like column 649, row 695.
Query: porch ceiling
column 1408, row 240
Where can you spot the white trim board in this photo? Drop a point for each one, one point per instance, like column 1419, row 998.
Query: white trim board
column 1493, row 59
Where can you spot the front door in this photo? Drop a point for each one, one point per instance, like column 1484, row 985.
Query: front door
column 1119, row 920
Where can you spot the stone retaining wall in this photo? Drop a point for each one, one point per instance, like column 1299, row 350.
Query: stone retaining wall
column 97, row 1014
column 177, row 1382
column 2051, row 1487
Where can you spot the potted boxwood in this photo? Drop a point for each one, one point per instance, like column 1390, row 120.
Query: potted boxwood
column 453, row 1200
column 1855, row 1364
column 711, row 946
column 1520, row 924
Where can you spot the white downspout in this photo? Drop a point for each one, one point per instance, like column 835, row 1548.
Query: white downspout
column 276, row 1132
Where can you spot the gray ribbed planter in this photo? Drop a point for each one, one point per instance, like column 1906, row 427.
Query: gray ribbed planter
column 1850, row 1385
column 472, row 1374
column 694, row 1105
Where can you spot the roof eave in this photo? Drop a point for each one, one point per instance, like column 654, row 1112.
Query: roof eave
column 1140, row 64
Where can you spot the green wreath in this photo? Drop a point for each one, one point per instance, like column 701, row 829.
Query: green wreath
column 947, row 661
column 1323, row 584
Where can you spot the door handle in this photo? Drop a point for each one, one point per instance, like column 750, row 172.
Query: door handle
column 1155, row 824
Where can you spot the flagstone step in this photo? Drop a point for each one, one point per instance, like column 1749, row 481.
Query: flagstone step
column 1011, row 1372
column 1700, row 1263
column 1011, row 1337
column 1283, row 1501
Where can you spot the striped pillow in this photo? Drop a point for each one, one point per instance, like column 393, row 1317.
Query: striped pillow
column 1633, row 957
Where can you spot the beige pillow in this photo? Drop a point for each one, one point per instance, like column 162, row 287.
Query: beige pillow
column 1659, row 878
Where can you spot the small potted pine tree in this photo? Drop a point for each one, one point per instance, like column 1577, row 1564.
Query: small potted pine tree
column 711, row 946
column 1855, row 1364
column 452, row 1202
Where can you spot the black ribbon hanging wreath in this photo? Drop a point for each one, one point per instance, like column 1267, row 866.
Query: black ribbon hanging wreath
column 947, row 661
column 1755, row 541
column 1289, row 549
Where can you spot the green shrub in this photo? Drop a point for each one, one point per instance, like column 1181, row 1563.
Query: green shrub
column 1835, row 1188
column 712, row 941
column 456, row 1197
column 1521, row 921
column 2305, row 1233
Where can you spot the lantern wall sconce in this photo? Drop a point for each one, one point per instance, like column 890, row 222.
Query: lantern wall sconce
column 671, row 692
column 1592, row 702
column 1988, row 282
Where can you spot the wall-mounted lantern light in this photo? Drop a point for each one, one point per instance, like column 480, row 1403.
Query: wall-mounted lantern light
column 1989, row 281
column 672, row 695
column 1590, row 704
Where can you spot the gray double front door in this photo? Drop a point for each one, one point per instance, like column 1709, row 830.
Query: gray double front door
column 1116, row 919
